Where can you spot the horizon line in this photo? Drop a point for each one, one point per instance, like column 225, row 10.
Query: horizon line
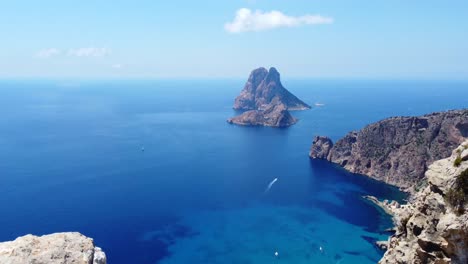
column 206, row 78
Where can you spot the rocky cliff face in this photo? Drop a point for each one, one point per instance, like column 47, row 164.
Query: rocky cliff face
column 266, row 100
column 396, row 150
column 264, row 88
column 274, row 116
column 430, row 229
column 59, row 248
column 321, row 146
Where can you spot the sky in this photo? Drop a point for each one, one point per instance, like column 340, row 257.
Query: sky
column 366, row 39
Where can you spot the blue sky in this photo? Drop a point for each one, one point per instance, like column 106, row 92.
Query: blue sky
column 374, row 39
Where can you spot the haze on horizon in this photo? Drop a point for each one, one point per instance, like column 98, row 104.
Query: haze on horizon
column 226, row 39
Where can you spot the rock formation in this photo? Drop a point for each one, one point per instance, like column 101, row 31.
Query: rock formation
column 397, row 150
column 58, row 248
column 264, row 88
column 266, row 101
column 429, row 229
column 274, row 116
column 321, row 146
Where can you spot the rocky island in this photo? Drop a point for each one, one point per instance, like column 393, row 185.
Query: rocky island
column 266, row 101
column 396, row 150
column 274, row 116
column 58, row 248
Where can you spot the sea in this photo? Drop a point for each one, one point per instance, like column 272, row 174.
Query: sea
column 151, row 170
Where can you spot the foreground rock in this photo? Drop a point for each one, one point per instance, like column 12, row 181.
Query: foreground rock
column 274, row 116
column 397, row 150
column 429, row 229
column 264, row 88
column 266, row 101
column 383, row 245
column 58, row 248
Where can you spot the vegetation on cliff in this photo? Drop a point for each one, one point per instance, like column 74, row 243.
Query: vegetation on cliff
column 397, row 150
column 457, row 196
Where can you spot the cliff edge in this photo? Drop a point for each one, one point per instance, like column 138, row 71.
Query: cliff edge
column 396, row 150
column 433, row 227
column 58, row 248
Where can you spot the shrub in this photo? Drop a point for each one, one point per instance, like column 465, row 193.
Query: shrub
column 420, row 185
column 457, row 196
column 457, row 161
column 456, row 199
column 403, row 224
column 462, row 181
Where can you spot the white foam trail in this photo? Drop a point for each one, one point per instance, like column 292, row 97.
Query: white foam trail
column 271, row 184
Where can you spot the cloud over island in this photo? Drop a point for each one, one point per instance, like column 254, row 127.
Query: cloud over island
column 47, row 53
column 248, row 20
column 89, row 52
column 73, row 52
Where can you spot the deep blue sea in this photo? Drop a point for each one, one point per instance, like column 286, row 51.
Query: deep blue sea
column 71, row 159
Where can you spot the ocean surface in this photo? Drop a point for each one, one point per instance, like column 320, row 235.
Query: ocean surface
column 72, row 159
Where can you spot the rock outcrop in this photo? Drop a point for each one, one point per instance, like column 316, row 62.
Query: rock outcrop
column 58, row 248
column 396, row 150
column 429, row 229
column 264, row 88
column 266, row 101
column 321, row 146
column 274, row 116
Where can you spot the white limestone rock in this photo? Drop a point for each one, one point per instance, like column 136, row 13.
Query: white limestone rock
column 428, row 231
column 58, row 248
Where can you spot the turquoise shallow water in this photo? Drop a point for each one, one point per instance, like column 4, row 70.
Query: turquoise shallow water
column 329, row 229
column 253, row 234
column 72, row 161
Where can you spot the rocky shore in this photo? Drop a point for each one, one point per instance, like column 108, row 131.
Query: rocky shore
column 396, row 150
column 416, row 154
column 430, row 228
column 274, row 116
column 58, row 248
column 266, row 101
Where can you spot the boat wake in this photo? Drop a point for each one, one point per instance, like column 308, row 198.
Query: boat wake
column 270, row 185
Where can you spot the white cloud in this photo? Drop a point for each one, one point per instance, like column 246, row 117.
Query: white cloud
column 117, row 66
column 47, row 53
column 89, row 52
column 246, row 20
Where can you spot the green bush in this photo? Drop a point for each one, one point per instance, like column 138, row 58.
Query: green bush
column 457, row 196
column 421, row 185
column 462, row 181
column 457, row 161
column 403, row 224
column 456, row 199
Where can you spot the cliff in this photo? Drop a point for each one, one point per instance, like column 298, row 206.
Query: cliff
column 266, row 101
column 274, row 116
column 58, row 248
column 264, row 88
column 433, row 227
column 396, row 150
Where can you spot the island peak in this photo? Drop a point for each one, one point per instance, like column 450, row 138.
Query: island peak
column 266, row 101
column 264, row 87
